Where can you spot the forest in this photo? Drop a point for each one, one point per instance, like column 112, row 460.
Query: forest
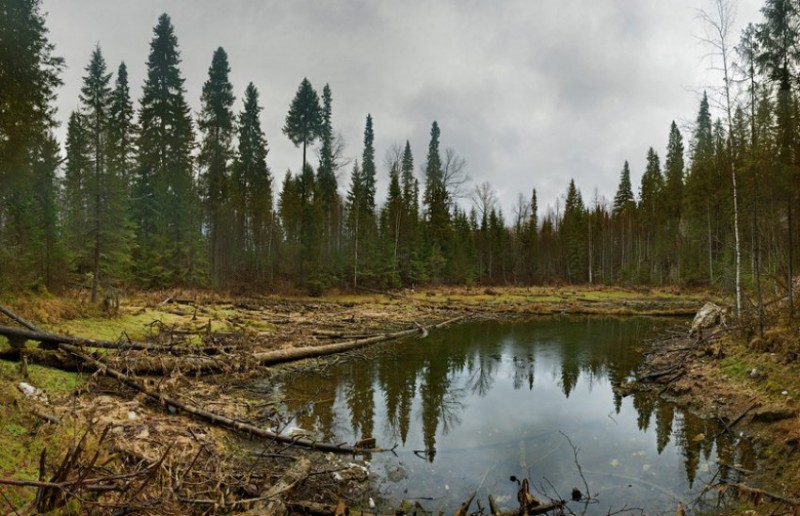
column 146, row 195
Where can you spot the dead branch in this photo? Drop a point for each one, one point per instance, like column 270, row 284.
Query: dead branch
column 19, row 319
column 211, row 417
column 756, row 492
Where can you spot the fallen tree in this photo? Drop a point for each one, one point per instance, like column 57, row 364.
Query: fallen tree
column 216, row 419
column 17, row 336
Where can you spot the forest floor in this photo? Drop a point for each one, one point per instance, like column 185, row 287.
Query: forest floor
column 135, row 447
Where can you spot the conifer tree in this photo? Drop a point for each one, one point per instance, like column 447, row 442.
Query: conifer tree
column 121, row 131
column 216, row 123
column 437, row 206
column 674, row 168
column 355, row 199
column 166, row 209
column 95, row 101
column 574, row 235
column 77, row 175
column 304, row 121
column 252, row 188
column 700, row 186
column 29, row 76
column 326, row 180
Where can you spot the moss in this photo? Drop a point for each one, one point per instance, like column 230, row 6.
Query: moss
column 736, row 368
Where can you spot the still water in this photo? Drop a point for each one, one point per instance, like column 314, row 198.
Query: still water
column 472, row 405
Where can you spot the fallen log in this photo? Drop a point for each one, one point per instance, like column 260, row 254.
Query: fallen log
column 211, row 417
column 290, row 355
column 52, row 340
column 159, row 364
column 19, row 319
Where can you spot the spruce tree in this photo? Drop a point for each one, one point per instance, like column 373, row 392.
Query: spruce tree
column 121, row 131
column 95, row 102
column 166, row 209
column 77, row 175
column 355, row 199
column 437, row 205
column 304, row 121
column 326, row 181
column 29, row 76
column 216, row 123
column 701, row 189
column 252, row 188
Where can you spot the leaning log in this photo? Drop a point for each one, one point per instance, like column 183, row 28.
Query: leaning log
column 216, row 419
column 18, row 318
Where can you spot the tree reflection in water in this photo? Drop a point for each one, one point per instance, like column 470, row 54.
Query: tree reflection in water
column 544, row 374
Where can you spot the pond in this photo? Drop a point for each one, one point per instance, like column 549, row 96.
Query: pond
column 472, row 405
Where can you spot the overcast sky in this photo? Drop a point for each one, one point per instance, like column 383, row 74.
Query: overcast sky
column 530, row 92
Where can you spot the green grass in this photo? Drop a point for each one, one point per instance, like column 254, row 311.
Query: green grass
column 735, row 368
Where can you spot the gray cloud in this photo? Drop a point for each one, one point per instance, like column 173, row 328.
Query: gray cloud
column 530, row 92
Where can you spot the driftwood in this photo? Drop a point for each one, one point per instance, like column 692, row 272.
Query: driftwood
column 211, row 417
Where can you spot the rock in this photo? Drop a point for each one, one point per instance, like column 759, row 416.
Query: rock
column 32, row 392
column 710, row 315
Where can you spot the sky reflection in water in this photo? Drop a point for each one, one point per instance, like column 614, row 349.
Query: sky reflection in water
column 472, row 405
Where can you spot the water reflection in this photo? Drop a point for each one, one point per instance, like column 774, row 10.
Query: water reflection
column 502, row 392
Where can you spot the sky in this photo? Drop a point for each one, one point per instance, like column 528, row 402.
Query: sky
column 531, row 93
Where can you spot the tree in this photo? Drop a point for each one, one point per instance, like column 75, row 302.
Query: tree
column 355, row 199
column 121, row 131
column 719, row 23
column 777, row 37
column 573, row 233
column 252, row 187
column 326, row 179
column 29, row 76
column 95, row 100
column 166, row 208
column 674, row 167
column 216, row 123
column 624, row 211
column 701, row 189
column 304, row 120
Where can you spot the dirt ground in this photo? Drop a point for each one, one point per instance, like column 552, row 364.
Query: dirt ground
column 88, row 442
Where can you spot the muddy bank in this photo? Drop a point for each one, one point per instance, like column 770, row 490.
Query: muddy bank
column 753, row 393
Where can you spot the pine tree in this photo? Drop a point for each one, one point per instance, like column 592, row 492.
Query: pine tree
column 304, row 120
column 216, row 123
column 166, row 208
